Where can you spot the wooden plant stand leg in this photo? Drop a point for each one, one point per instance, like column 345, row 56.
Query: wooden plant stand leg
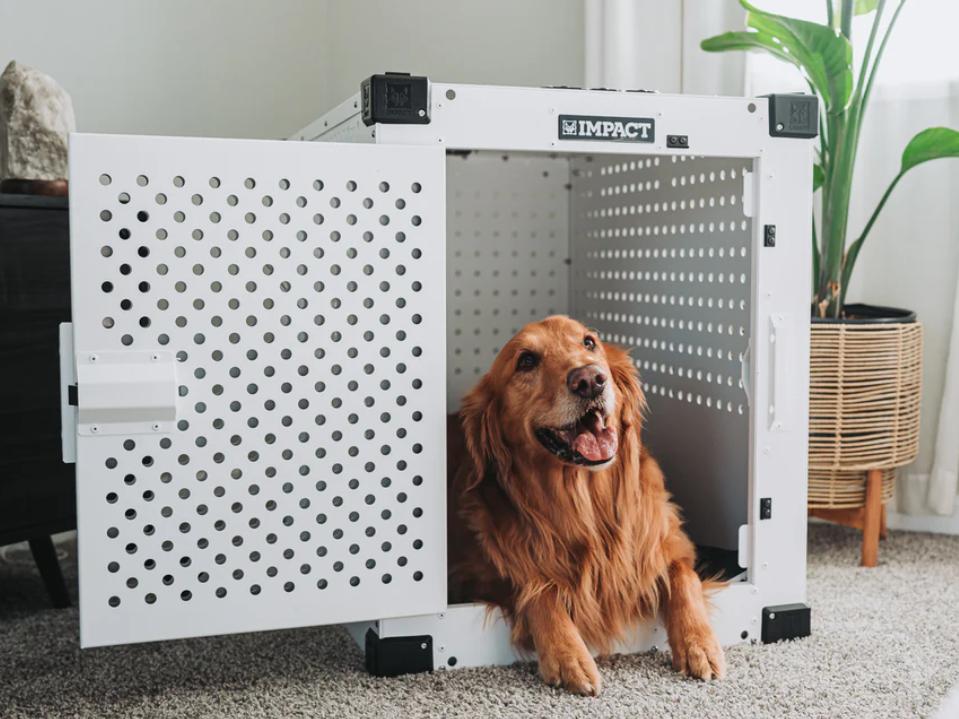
column 872, row 518
column 883, row 526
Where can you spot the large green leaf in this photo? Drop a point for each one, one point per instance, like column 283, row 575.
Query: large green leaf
column 747, row 41
column 864, row 7
column 930, row 144
column 819, row 51
column 823, row 54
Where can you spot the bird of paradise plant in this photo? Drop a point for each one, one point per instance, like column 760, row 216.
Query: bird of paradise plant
column 824, row 55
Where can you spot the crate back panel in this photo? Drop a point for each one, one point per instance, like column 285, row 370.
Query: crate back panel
column 507, row 254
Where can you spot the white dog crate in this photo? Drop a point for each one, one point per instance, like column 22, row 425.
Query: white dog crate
column 267, row 338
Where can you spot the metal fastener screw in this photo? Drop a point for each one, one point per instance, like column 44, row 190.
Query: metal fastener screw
column 156, row 428
column 423, row 645
column 93, row 358
column 421, row 112
column 94, row 428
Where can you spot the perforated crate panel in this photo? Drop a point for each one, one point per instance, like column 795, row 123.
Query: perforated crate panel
column 300, row 288
column 662, row 265
column 507, row 255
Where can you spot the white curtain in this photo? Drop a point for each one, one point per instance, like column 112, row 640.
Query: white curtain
column 913, row 261
column 911, row 258
column 654, row 45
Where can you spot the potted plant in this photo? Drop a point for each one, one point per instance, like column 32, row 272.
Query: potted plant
column 866, row 362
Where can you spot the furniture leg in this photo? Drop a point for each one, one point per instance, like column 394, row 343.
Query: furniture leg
column 872, row 518
column 45, row 555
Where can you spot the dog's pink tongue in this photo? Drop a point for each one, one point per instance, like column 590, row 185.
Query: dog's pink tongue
column 595, row 442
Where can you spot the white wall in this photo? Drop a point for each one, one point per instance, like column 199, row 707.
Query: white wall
column 263, row 68
column 503, row 42
column 178, row 67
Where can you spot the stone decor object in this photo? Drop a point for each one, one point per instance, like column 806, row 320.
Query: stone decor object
column 36, row 118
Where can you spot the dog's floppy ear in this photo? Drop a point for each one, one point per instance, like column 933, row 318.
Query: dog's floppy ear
column 484, row 438
column 632, row 399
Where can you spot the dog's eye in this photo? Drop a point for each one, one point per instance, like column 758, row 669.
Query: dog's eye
column 589, row 343
column 527, row 361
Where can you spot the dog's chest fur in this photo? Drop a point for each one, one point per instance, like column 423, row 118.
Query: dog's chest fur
column 589, row 536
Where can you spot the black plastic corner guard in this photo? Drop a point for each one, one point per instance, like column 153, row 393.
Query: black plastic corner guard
column 793, row 115
column 395, row 98
column 393, row 656
column 785, row 621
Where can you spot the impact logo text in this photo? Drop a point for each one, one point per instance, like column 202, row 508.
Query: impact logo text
column 617, row 129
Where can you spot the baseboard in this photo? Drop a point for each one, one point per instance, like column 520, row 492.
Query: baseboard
column 935, row 523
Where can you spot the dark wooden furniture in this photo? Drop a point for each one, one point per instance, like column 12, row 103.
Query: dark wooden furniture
column 37, row 496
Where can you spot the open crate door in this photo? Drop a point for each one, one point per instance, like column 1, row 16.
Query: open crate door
column 259, row 338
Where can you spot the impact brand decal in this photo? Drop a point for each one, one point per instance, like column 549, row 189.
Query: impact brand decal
column 616, row 129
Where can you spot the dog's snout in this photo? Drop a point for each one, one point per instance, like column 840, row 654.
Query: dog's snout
column 587, row 382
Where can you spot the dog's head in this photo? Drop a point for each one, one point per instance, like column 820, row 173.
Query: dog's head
column 555, row 393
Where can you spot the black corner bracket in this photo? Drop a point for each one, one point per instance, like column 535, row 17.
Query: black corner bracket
column 793, row 115
column 785, row 621
column 393, row 656
column 396, row 98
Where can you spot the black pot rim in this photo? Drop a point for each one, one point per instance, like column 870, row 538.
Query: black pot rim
column 864, row 314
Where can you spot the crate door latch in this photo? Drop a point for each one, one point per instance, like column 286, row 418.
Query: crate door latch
column 126, row 392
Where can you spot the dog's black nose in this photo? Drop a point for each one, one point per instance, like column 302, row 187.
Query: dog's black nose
column 587, row 382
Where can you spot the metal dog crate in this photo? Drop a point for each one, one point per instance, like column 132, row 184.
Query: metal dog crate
column 267, row 338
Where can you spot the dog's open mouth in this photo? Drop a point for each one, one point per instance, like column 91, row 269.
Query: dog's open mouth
column 588, row 441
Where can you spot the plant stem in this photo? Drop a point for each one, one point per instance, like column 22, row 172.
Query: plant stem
column 845, row 20
column 873, row 31
column 849, row 260
column 815, row 252
column 882, row 47
column 836, row 198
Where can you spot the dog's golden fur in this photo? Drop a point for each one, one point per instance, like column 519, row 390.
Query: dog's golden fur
column 573, row 555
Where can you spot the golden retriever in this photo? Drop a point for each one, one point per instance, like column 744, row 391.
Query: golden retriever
column 559, row 516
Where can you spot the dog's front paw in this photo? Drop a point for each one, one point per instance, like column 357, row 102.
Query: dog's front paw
column 698, row 655
column 570, row 665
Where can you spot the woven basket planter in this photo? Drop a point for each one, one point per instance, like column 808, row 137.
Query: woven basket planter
column 836, row 489
column 864, row 387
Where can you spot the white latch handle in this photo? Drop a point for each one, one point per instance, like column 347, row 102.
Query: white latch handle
column 131, row 392
column 778, row 396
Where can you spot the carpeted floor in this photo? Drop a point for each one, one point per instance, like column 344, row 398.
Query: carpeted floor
column 885, row 644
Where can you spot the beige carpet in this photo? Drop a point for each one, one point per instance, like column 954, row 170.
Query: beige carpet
column 885, row 644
